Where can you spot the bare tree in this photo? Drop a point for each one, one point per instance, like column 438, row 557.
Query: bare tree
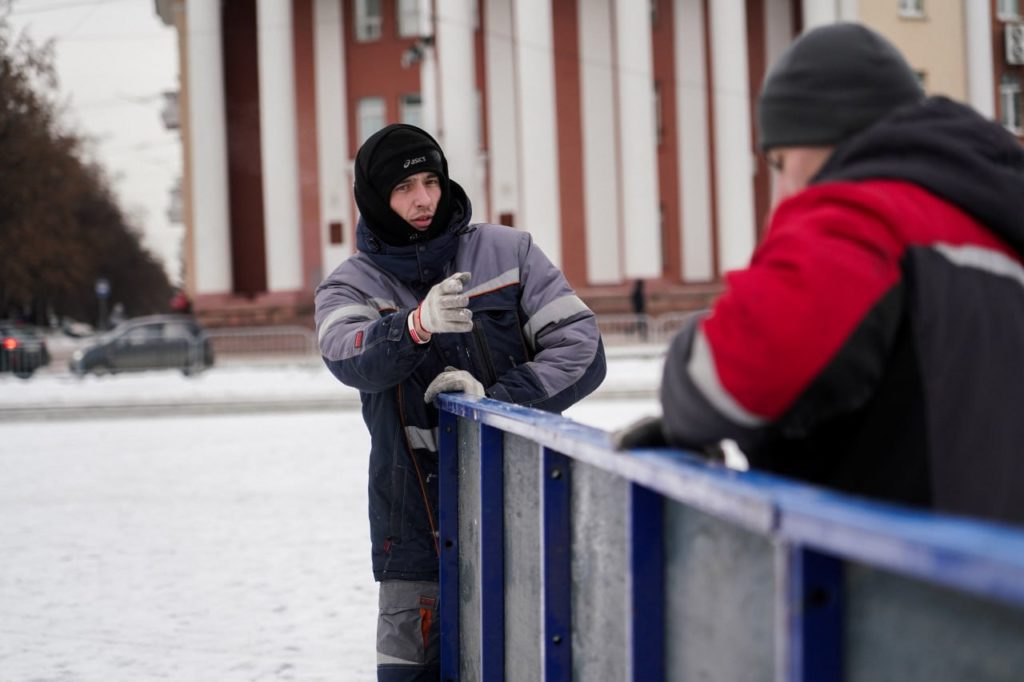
column 61, row 228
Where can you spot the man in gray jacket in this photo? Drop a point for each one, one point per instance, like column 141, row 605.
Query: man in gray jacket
column 432, row 303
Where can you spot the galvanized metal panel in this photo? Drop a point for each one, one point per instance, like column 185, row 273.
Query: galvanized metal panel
column 600, row 569
column 719, row 589
column 900, row 629
column 469, row 550
column 522, row 560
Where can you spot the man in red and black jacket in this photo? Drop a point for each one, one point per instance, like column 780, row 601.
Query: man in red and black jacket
column 875, row 343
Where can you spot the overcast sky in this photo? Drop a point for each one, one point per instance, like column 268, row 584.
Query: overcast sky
column 114, row 58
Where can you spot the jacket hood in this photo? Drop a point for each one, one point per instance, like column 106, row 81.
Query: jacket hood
column 950, row 150
column 379, row 166
column 424, row 262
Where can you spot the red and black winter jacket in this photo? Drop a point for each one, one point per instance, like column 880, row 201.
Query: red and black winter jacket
column 875, row 343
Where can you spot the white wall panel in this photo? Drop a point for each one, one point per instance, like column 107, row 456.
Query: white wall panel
column 638, row 140
column 694, row 153
column 332, row 130
column 279, row 145
column 211, row 228
column 502, row 110
column 538, row 128
column 459, row 125
column 602, row 209
column 734, row 171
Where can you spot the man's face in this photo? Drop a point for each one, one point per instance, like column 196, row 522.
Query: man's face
column 415, row 199
column 793, row 168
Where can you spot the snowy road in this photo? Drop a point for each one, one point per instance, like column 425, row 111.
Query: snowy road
column 190, row 548
column 220, row 548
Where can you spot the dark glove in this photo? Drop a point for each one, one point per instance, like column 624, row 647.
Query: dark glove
column 648, row 433
column 643, row 433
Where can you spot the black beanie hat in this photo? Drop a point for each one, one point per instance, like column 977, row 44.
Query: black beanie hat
column 387, row 157
column 831, row 83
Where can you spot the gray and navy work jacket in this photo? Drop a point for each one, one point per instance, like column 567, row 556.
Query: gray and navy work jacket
column 534, row 342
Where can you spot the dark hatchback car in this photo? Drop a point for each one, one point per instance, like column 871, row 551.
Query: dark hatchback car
column 142, row 343
column 22, row 350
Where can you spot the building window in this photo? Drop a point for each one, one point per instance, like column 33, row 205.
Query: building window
column 912, row 8
column 367, row 20
column 1010, row 104
column 371, row 115
column 1008, row 10
column 409, row 18
column 411, row 110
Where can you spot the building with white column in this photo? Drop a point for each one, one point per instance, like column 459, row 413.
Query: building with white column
column 619, row 133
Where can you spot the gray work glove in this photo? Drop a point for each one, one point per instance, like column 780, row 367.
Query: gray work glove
column 445, row 307
column 453, row 380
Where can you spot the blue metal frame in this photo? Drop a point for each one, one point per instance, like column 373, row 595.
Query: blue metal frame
column 492, row 553
column 448, row 532
column 647, row 526
column 823, row 604
column 557, row 566
column 811, row 645
column 814, row 530
column 980, row 558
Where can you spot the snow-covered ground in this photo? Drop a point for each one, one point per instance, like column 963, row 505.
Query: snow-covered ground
column 632, row 372
column 203, row 547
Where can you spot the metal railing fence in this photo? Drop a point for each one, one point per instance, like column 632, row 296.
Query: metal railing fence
column 564, row 560
column 271, row 342
column 623, row 329
column 268, row 343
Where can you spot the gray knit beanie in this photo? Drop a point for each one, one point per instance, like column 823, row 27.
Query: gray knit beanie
column 831, row 83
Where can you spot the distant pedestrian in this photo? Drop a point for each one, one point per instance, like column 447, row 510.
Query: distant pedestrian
column 180, row 303
column 117, row 314
column 639, row 301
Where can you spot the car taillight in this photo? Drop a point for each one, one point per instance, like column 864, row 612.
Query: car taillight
column 10, row 343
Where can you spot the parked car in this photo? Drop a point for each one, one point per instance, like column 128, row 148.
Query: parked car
column 22, row 350
column 153, row 342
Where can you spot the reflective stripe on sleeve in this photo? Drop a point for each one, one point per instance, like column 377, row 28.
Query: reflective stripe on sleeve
column 364, row 312
column 506, row 278
column 980, row 258
column 701, row 369
column 556, row 311
column 421, row 439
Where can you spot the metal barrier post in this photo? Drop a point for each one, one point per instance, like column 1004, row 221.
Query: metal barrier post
column 647, row 547
column 448, row 531
column 809, row 635
column 557, row 568
column 492, row 553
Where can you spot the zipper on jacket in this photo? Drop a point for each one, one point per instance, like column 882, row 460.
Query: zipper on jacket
column 419, row 472
column 483, row 350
